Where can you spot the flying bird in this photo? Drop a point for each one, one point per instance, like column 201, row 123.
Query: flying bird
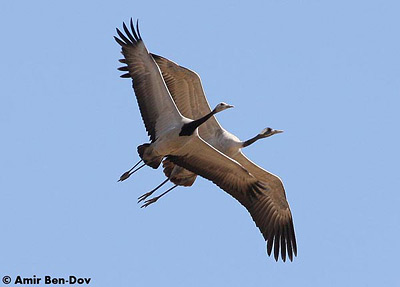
column 169, row 131
column 175, row 136
column 187, row 92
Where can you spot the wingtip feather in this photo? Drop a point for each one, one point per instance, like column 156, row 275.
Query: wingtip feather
column 122, row 44
column 127, row 75
column 123, row 69
column 137, row 29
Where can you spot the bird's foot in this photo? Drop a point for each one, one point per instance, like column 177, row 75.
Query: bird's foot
column 150, row 201
column 154, row 199
column 128, row 173
column 125, row 175
column 144, row 196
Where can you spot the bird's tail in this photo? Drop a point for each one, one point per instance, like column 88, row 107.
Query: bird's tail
column 177, row 174
column 146, row 155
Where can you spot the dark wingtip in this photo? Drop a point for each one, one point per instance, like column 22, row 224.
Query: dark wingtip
column 276, row 252
column 294, row 244
column 131, row 38
column 123, row 69
column 133, row 30
column 119, row 41
column 137, row 29
column 124, row 38
column 269, row 246
column 283, row 249
column 127, row 75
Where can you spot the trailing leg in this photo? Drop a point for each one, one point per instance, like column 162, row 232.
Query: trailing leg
column 130, row 172
column 147, row 194
column 154, row 199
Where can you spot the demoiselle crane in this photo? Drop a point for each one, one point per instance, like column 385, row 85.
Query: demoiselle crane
column 187, row 92
column 175, row 136
column 186, row 89
column 169, row 131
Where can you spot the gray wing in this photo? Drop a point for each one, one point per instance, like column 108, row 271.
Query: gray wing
column 155, row 103
column 187, row 91
column 271, row 213
column 274, row 222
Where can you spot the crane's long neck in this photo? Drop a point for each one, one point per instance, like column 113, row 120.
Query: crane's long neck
column 189, row 128
column 252, row 140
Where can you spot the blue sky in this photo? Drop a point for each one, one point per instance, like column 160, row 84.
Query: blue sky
column 326, row 72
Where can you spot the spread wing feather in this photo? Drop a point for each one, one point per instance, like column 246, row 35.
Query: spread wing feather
column 258, row 196
column 271, row 213
column 188, row 94
column 155, row 103
column 201, row 158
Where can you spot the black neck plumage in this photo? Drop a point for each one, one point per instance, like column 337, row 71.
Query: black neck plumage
column 252, row 140
column 189, row 128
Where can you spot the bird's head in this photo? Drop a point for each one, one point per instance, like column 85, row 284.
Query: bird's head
column 267, row 132
column 222, row 106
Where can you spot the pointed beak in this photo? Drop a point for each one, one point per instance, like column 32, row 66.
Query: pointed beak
column 230, row 106
column 278, row 131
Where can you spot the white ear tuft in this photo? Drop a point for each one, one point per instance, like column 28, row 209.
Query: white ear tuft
column 265, row 130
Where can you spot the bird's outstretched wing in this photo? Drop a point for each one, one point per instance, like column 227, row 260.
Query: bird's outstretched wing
column 188, row 94
column 272, row 212
column 155, row 103
column 271, row 216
